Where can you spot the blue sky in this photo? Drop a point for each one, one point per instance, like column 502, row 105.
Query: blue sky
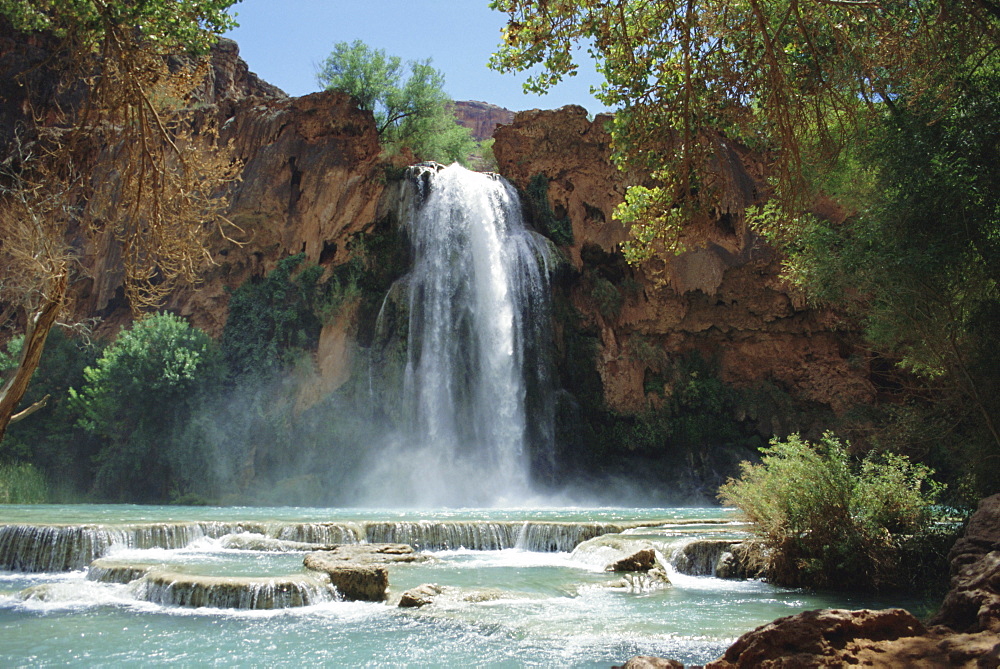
column 284, row 41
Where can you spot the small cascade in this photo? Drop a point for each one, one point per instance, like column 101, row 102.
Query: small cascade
column 105, row 570
column 434, row 536
column 562, row 537
column 317, row 533
column 53, row 548
column 56, row 548
column 248, row 541
column 471, row 324
column 701, row 557
column 169, row 588
column 540, row 537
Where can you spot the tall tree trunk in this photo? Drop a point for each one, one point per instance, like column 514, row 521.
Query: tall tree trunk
column 40, row 322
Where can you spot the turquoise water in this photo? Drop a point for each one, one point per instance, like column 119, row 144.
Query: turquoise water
column 510, row 607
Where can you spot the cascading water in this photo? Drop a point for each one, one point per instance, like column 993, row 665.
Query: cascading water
column 475, row 404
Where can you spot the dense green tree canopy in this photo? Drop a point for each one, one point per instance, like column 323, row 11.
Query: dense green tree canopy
column 794, row 78
column 168, row 26
column 413, row 113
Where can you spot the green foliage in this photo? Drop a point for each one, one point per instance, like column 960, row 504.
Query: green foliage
column 796, row 80
column 22, row 483
column 609, row 299
column 482, row 158
column 559, row 230
column 50, row 438
column 168, row 26
column 822, row 520
column 137, row 394
column 413, row 113
column 272, row 319
column 917, row 267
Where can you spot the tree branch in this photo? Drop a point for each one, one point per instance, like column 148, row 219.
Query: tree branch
column 21, row 415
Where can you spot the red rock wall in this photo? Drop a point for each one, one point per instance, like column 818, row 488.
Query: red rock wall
column 724, row 298
column 481, row 118
column 311, row 178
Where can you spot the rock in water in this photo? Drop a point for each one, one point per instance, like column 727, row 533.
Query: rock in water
column 422, row 595
column 648, row 662
column 364, row 582
column 973, row 602
column 372, row 553
column 643, row 560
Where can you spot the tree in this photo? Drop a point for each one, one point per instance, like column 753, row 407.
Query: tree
column 161, row 191
column 137, row 396
column 413, row 113
column 888, row 107
column 793, row 79
column 916, row 266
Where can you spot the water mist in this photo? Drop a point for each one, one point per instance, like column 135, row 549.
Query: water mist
column 471, row 324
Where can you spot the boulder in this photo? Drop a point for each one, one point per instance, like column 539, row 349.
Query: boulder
column 422, row 595
column 371, row 554
column 702, row 557
column 817, row 638
column 365, row 582
column 643, row 560
column 973, row 602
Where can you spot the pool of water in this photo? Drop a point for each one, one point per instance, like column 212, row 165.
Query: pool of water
column 508, row 607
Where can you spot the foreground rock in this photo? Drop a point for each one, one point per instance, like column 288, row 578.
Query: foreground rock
column 642, row 571
column 643, row 560
column 356, row 571
column 973, row 603
column 364, row 582
column 648, row 662
column 370, row 554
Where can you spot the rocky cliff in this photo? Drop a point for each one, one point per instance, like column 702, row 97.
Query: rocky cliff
column 724, row 298
column 482, row 118
column 311, row 178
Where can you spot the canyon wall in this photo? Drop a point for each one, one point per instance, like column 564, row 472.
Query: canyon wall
column 724, row 298
column 482, row 118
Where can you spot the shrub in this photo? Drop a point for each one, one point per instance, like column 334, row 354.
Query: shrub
column 136, row 397
column 821, row 520
column 271, row 320
column 50, row 438
column 608, row 299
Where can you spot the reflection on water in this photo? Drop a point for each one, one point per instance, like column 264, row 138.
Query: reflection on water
column 509, row 607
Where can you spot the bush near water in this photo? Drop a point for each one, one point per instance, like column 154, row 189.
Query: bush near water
column 822, row 519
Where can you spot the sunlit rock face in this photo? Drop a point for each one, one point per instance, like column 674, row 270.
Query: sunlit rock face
column 723, row 298
column 481, row 118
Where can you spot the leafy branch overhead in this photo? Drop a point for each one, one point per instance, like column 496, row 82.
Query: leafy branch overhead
column 793, row 79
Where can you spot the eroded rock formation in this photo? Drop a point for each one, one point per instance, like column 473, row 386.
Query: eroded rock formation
column 973, row 602
column 723, row 298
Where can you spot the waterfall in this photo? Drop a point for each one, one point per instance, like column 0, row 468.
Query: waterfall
column 475, row 406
